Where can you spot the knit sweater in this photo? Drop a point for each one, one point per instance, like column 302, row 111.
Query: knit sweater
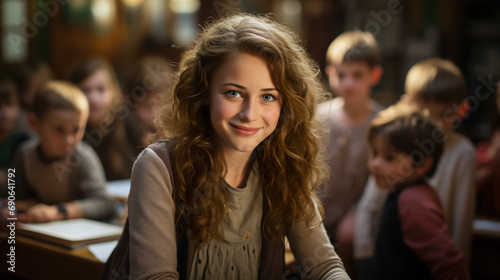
column 77, row 177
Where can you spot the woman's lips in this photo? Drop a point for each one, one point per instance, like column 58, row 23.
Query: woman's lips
column 244, row 130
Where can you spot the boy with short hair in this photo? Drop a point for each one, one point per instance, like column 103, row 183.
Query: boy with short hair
column 353, row 69
column 413, row 241
column 57, row 175
column 436, row 85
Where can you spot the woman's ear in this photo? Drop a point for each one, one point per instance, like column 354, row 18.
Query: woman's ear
column 377, row 72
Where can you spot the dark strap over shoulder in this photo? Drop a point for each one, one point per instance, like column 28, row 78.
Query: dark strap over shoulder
column 161, row 149
column 118, row 265
column 272, row 253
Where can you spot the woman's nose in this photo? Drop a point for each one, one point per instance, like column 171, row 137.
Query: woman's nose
column 249, row 110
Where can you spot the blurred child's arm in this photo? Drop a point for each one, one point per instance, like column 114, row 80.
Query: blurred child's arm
column 94, row 202
column 25, row 198
column 367, row 218
column 425, row 231
column 41, row 213
column 23, row 205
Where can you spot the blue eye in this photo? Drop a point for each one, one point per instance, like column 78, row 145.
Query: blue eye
column 233, row 93
column 269, row 97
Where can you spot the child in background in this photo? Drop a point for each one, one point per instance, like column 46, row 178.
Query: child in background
column 58, row 176
column 106, row 130
column 29, row 78
column 148, row 80
column 413, row 241
column 11, row 137
column 353, row 69
column 438, row 86
column 488, row 168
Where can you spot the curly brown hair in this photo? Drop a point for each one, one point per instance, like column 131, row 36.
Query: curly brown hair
column 288, row 159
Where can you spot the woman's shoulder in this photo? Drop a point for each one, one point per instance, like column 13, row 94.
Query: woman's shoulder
column 152, row 170
column 154, row 153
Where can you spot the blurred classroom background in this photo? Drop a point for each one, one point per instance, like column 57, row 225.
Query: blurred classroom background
column 60, row 32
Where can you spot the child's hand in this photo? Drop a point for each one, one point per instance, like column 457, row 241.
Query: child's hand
column 40, row 213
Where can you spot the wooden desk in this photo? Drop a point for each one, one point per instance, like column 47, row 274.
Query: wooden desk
column 40, row 260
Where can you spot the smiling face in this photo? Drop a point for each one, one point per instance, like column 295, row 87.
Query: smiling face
column 390, row 167
column 244, row 104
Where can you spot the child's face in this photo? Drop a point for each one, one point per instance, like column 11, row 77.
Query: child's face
column 60, row 130
column 244, row 103
column 447, row 115
column 390, row 168
column 352, row 81
column 8, row 117
column 98, row 89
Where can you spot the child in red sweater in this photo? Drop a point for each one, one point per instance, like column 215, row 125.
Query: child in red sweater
column 413, row 241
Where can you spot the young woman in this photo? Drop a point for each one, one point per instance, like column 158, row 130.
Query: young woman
column 243, row 148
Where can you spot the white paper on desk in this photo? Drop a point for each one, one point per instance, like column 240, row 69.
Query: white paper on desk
column 103, row 250
column 119, row 188
column 75, row 229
